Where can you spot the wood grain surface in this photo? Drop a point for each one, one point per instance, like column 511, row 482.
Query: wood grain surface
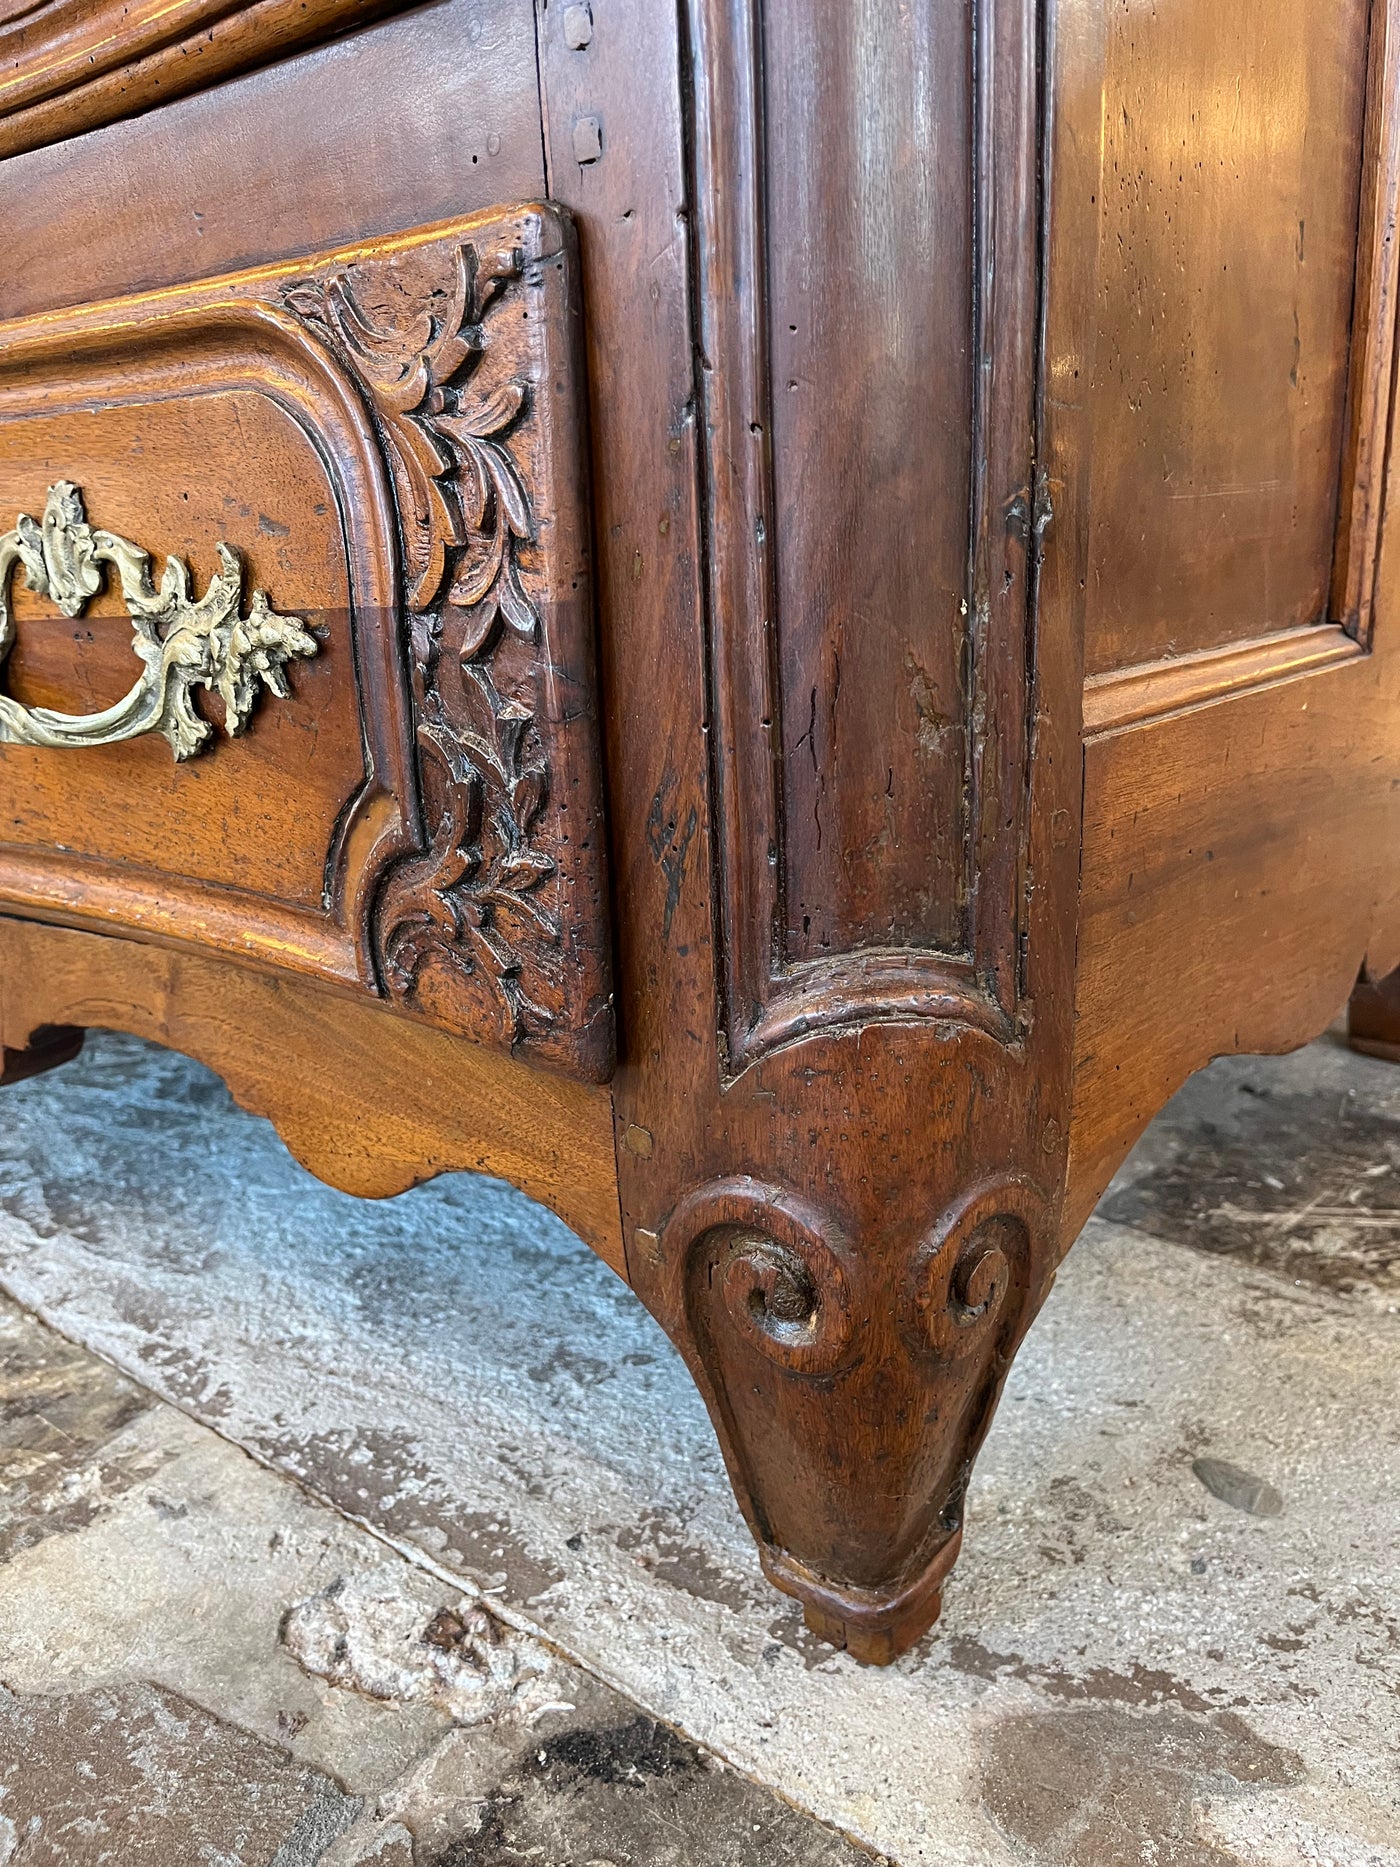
column 1225, row 213
column 392, row 437
column 67, row 66
column 1237, row 874
column 428, row 116
column 805, row 1218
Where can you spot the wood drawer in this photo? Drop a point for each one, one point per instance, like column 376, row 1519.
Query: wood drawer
column 338, row 505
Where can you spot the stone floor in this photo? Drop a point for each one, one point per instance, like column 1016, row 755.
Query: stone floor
column 202, row 1664
column 336, row 1533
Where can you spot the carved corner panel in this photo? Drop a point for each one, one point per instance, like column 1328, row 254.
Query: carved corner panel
column 873, row 510
column 444, row 732
column 466, row 354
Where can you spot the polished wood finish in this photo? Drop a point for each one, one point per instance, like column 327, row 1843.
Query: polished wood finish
column 1151, row 690
column 1234, row 870
column 430, row 116
column 800, row 1224
column 1225, row 215
column 1219, row 857
column 866, row 614
column 69, row 65
column 393, row 434
column 878, row 655
column 989, row 418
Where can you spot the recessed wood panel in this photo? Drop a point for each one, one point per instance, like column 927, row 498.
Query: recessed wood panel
column 392, row 437
column 869, row 166
column 869, row 198
column 181, row 476
column 1226, row 227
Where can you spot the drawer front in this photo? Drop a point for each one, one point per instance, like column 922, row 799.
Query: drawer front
column 66, row 65
column 296, row 644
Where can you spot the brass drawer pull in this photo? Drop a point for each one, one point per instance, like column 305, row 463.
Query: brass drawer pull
column 183, row 643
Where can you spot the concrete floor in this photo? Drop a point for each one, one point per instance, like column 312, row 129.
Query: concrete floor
column 1173, row 1638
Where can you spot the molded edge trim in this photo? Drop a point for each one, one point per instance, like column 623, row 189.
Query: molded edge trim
column 1154, row 689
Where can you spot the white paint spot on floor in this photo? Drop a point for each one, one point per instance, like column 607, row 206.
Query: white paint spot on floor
column 366, row 1635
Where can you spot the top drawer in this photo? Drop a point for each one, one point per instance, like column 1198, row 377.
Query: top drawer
column 337, row 508
column 67, row 65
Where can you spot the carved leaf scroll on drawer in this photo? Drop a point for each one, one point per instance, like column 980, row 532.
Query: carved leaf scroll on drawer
column 418, row 402
column 477, row 902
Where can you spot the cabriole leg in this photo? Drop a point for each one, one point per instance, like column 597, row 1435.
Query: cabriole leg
column 45, row 1050
column 850, row 1305
column 1373, row 1017
column 852, row 1381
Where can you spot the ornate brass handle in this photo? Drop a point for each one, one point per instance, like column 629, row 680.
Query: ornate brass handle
column 183, row 643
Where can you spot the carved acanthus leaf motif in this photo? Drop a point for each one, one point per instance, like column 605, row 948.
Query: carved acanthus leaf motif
column 183, row 643
column 445, row 416
column 462, row 503
column 467, row 898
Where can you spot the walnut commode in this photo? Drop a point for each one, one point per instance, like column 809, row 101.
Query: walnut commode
column 796, row 625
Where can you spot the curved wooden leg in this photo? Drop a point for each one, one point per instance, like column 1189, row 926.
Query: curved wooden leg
column 850, row 1304
column 45, row 1050
column 844, row 790
column 851, row 1380
column 1373, row 1017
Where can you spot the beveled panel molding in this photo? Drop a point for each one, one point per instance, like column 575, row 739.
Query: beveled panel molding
column 930, row 919
column 1157, row 689
column 436, row 375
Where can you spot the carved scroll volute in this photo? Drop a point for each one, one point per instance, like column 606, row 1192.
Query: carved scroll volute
column 968, row 1295
column 872, row 1370
column 769, row 1289
column 786, row 1293
column 467, row 353
column 968, row 1282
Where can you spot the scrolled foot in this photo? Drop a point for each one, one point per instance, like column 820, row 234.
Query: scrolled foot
column 851, row 1383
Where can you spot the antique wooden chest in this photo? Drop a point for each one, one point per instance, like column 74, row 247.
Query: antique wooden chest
column 768, row 617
